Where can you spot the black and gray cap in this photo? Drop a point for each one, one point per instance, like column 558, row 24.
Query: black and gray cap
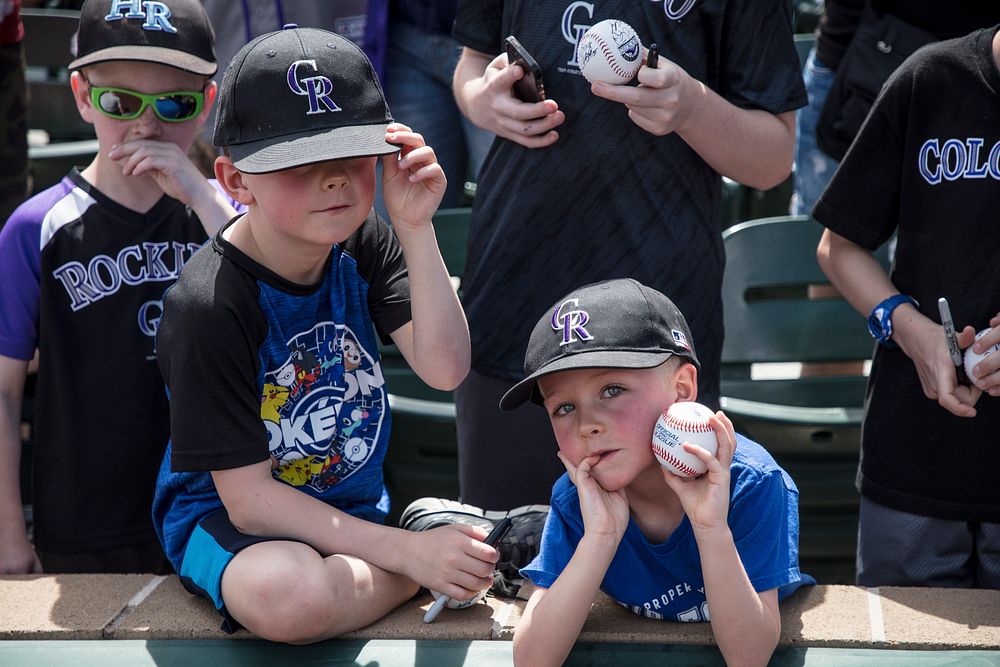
column 611, row 324
column 298, row 96
column 172, row 32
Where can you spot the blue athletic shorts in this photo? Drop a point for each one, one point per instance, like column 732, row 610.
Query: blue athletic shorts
column 209, row 550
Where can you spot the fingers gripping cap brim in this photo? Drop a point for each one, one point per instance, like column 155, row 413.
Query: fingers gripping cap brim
column 310, row 147
column 527, row 389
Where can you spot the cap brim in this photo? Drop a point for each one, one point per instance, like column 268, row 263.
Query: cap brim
column 524, row 390
column 310, row 147
column 149, row 54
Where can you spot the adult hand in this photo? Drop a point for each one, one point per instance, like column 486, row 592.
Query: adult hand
column 491, row 105
column 661, row 102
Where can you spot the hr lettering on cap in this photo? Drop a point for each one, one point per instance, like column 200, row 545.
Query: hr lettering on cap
column 155, row 17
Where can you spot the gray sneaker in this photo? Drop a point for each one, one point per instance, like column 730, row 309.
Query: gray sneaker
column 517, row 549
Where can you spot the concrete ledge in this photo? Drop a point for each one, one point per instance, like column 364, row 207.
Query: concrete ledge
column 146, row 607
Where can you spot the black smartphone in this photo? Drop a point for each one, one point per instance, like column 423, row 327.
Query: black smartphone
column 528, row 88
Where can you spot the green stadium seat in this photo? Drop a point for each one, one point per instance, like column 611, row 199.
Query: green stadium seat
column 781, row 312
column 423, row 448
column 59, row 139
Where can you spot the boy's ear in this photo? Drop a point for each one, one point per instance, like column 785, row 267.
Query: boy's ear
column 686, row 382
column 81, row 95
column 231, row 180
column 211, row 92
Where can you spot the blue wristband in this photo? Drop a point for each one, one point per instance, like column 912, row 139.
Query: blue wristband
column 880, row 320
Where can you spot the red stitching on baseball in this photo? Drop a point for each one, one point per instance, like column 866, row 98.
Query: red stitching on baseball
column 674, row 461
column 688, row 425
column 610, row 57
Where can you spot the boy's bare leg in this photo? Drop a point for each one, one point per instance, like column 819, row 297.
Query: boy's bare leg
column 287, row 592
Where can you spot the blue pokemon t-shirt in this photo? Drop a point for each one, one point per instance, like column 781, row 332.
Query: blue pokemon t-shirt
column 259, row 368
column 664, row 581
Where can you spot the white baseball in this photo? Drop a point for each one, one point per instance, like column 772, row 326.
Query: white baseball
column 972, row 358
column 684, row 422
column 610, row 51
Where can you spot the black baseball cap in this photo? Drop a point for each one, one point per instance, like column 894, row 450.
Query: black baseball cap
column 299, row 96
column 611, row 324
column 170, row 32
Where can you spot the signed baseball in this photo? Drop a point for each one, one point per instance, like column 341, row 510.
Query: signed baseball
column 971, row 358
column 683, row 422
column 462, row 604
column 610, row 51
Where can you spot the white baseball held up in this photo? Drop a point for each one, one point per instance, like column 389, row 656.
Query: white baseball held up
column 685, row 421
column 610, row 51
column 971, row 358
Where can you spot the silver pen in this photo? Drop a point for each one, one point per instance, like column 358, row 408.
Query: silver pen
column 952, row 340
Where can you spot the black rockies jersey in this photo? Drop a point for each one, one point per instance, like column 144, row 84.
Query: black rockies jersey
column 610, row 200
column 83, row 281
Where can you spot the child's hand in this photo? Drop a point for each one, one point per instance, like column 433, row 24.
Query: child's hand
column 167, row 164
column 988, row 377
column 705, row 499
column 662, row 101
column 494, row 108
column 413, row 182
column 605, row 514
column 922, row 340
column 451, row 560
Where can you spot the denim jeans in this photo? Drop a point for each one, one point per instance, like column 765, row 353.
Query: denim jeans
column 813, row 167
column 419, row 68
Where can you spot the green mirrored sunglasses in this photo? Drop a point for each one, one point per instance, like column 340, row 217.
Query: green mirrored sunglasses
column 124, row 104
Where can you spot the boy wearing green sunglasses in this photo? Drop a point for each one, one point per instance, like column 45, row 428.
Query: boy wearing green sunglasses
column 85, row 264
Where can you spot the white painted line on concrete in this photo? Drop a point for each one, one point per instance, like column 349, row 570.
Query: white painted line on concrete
column 501, row 620
column 136, row 600
column 875, row 615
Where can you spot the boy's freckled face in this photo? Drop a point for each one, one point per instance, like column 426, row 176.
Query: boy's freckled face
column 141, row 77
column 321, row 203
column 610, row 413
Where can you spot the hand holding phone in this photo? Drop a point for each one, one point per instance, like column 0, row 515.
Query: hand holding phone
column 530, row 87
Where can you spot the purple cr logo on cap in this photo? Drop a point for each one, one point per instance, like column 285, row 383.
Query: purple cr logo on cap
column 318, row 88
column 570, row 323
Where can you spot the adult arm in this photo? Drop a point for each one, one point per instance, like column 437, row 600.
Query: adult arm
column 752, row 146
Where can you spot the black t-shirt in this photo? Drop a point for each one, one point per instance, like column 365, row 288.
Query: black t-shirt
column 608, row 199
column 841, row 17
column 926, row 165
column 83, row 281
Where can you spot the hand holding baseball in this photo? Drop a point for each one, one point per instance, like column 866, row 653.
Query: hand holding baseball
column 705, row 499
column 985, row 354
column 492, row 106
column 662, row 102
